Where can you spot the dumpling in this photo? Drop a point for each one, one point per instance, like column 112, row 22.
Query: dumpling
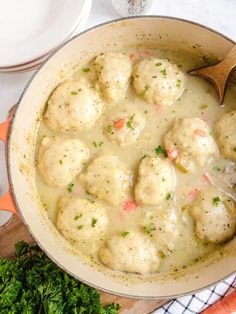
column 108, row 179
column 124, row 128
column 156, row 181
column 214, row 214
column 133, row 253
column 73, row 106
column 81, row 221
column 225, row 129
column 163, row 228
column 190, row 143
column 60, row 160
column 158, row 81
column 113, row 70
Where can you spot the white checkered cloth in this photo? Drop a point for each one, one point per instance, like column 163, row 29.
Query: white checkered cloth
column 196, row 303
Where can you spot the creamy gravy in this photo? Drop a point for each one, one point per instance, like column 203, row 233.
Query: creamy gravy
column 198, row 100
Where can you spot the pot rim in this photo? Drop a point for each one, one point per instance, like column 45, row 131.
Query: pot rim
column 11, row 184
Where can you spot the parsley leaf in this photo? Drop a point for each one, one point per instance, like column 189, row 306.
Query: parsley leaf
column 32, row 283
column 70, row 187
column 160, row 150
column 148, row 229
column 124, row 233
column 129, row 123
column 216, row 200
column 73, row 93
column 85, row 70
column 94, row 221
column 158, row 64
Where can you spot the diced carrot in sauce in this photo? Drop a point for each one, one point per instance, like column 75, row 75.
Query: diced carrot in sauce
column 132, row 57
column 119, row 123
column 158, row 108
column 173, row 154
column 207, row 179
column 193, row 193
column 200, row 132
column 146, row 53
column 129, row 206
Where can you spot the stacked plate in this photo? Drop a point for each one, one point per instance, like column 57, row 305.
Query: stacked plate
column 30, row 30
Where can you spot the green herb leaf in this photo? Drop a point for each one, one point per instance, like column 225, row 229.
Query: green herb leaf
column 74, row 93
column 158, row 64
column 129, row 123
column 164, row 72
column 234, row 149
column 80, row 227
column 85, row 70
column 204, row 106
column 216, row 200
column 144, row 156
column 110, row 128
column 95, row 144
column 168, row 196
column 70, row 187
column 148, row 229
column 78, row 216
column 60, row 162
column 178, row 83
column 124, row 233
column 94, row 221
column 160, row 150
column 32, row 283
column 144, row 91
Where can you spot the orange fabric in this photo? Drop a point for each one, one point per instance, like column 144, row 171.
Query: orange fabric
column 227, row 305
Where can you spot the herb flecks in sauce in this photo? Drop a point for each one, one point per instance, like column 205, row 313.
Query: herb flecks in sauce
column 216, row 200
column 70, row 187
column 124, row 233
column 93, row 223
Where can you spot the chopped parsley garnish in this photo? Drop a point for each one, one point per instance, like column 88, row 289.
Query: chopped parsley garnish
column 95, row 144
column 164, row 72
column 70, row 187
column 148, row 229
column 158, row 64
column 78, row 216
column 110, row 128
column 129, row 123
column 124, row 233
column 144, row 91
column 204, row 106
column 94, row 221
column 168, row 196
column 160, row 150
column 88, row 193
column 145, row 111
column 216, row 200
column 74, row 93
column 234, row 149
column 60, row 162
column 80, row 227
column 217, row 168
column 144, row 156
column 85, row 70
column 178, row 83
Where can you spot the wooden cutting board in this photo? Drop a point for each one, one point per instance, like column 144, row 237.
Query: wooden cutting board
column 15, row 231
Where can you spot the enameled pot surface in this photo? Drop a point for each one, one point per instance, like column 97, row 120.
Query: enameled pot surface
column 150, row 31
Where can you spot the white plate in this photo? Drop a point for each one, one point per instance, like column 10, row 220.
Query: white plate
column 33, row 28
column 35, row 63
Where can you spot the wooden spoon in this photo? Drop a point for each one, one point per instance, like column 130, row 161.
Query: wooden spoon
column 218, row 74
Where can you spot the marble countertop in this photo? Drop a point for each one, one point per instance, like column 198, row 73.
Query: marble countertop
column 217, row 14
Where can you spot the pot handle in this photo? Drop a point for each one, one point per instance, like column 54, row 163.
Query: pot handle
column 6, row 200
